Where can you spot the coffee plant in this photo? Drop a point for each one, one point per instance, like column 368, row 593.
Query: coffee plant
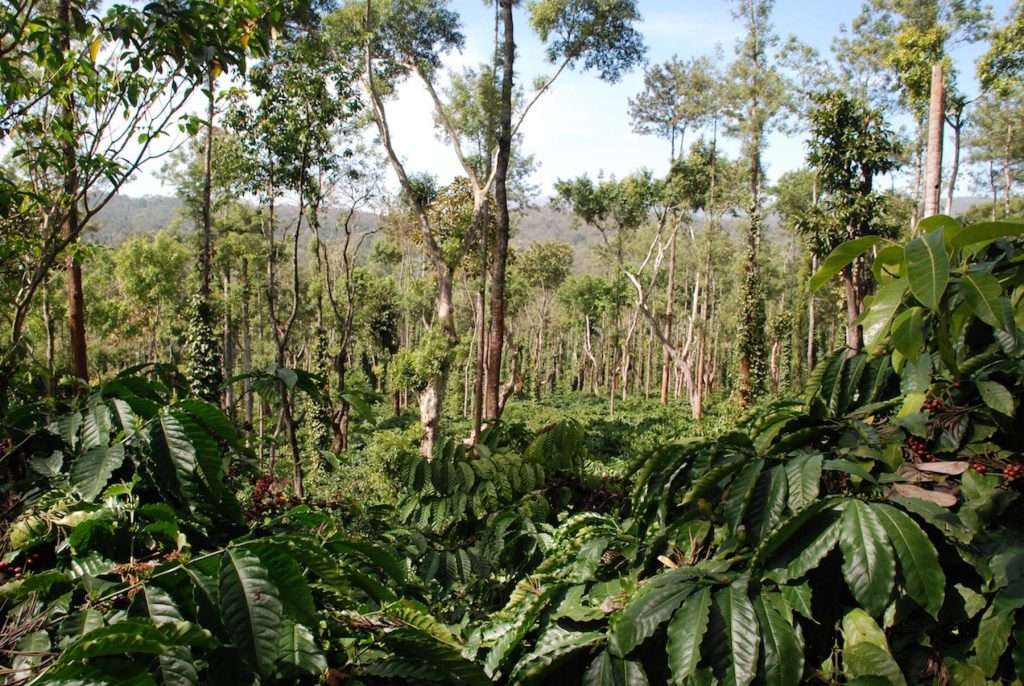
column 867, row 532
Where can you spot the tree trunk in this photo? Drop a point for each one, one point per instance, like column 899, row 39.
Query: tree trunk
column 76, row 295
column 51, row 382
column 538, row 367
column 666, row 357
column 481, row 355
column 431, row 398
column 293, row 441
column 246, row 345
column 994, row 188
column 915, row 209
column 496, row 331
column 1006, row 169
column 853, row 329
column 340, row 418
column 229, row 348
column 811, row 320
column 751, row 335
column 957, row 124
column 207, row 218
column 481, row 349
column 936, row 118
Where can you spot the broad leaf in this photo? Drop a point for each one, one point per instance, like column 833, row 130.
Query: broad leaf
column 734, row 636
column 648, row 609
column 250, row 608
column 128, row 636
column 516, row 630
column 553, row 645
column 882, row 307
column 293, row 590
column 804, row 476
column 91, row 471
column 177, row 666
column 866, row 650
column 32, row 648
column 801, row 543
column 996, row 396
column 982, row 292
column 299, row 650
column 949, row 226
column 767, row 503
column 868, row 564
column 205, row 450
column 984, row 232
column 916, row 376
column 783, row 649
column 740, row 490
column 919, row 561
column 993, row 639
column 179, row 447
column 685, row 633
column 908, row 333
column 608, row 670
column 928, row 268
column 840, row 257
column 868, row 660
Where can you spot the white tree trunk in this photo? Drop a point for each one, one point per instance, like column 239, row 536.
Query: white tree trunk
column 936, row 118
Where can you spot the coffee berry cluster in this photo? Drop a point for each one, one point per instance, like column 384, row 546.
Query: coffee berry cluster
column 919, row 448
column 9, row 569
column 268, row 495
column 33, row 560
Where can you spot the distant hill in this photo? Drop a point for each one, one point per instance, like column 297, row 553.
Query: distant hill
column 125, row 216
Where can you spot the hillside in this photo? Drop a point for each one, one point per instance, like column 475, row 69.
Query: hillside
column 126, row 216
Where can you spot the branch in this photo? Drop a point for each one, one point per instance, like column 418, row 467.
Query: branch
column 380, row 117
column 446, row 121
column 522, row 116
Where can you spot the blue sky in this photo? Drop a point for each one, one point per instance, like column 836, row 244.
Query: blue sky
column 582, row 125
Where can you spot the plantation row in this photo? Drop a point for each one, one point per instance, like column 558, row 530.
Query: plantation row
column 866, row 533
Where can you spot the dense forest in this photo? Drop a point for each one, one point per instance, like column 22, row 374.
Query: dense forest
column 328, row 417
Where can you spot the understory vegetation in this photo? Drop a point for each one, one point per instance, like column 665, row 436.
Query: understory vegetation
column 331, row 417
column 869, row 530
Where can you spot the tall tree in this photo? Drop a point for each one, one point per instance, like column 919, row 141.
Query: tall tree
column 616, row 209
column 677, row 97
column 759, row 96
column 599, row 35
column 110, row 106
column 899, row 42
column 1002, row 65
column 995, row 140
column 545, row 266
column 287, row 134
column 849, row 146
column 936, row 119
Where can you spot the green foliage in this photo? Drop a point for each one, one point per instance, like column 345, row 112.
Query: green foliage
column 599, row 34
column 413, row 368
column 203, row 351
column 1004, row 59
column 135, row 521
column 610, row 204
column 733, row 540
column 849, row 146
column 677, row 96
